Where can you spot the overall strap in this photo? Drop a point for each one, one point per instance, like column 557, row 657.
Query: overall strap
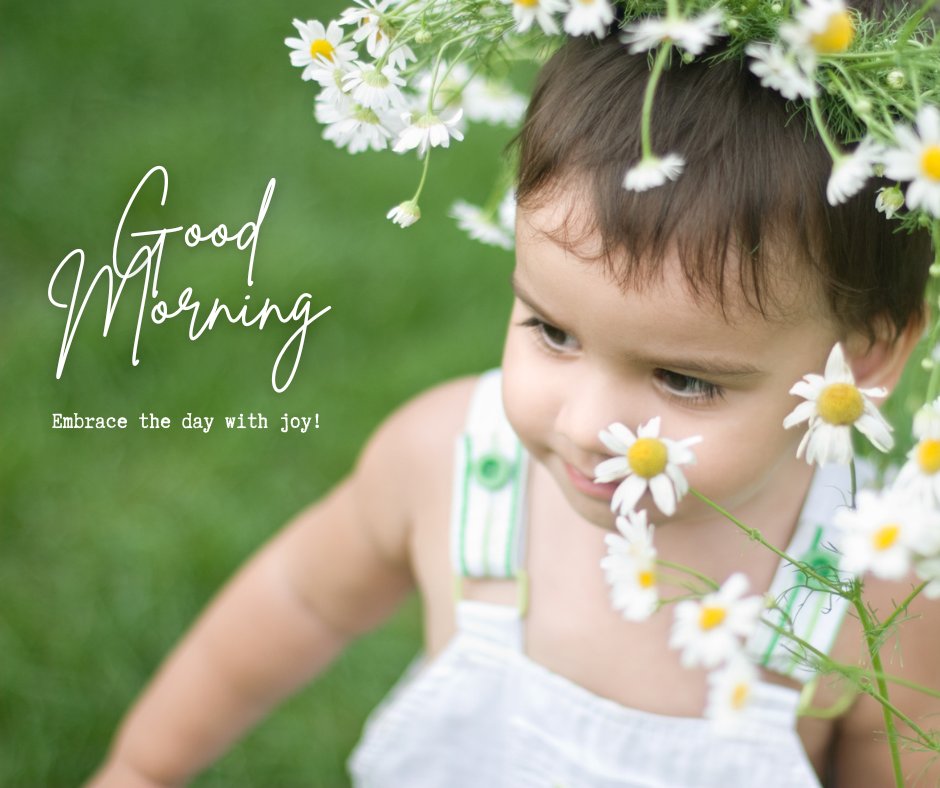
column 804, row 606
column 488, row 515
column 488, row 511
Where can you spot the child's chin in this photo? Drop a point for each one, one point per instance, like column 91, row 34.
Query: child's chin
column 594, row 511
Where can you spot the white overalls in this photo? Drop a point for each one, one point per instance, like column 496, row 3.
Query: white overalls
column 484, row 715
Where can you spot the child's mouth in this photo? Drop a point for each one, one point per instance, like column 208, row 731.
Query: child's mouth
column 587, row 485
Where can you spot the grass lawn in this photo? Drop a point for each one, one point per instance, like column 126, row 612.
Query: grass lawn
column 112, row 541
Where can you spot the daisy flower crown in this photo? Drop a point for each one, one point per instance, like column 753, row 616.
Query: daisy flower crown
column 409, row 76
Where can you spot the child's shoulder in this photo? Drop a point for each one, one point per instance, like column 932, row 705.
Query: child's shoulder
column 408, row 460
column 418, row 431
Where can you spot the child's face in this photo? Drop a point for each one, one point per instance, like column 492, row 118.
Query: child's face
column 581, row 354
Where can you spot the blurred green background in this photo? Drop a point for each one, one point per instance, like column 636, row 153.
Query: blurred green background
column 112, row 541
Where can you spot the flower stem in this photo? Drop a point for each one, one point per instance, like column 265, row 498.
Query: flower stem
column 833, row 149
column 689, row 571
column 756, row 535
column 661, row 57
column 424, row 174
column 872, row 630
column 933, row 383
column 853, row 481
column 902, row 607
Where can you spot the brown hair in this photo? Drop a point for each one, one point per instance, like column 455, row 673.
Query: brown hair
column 753, row 188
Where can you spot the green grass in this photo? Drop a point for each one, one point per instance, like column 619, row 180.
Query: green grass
column 113, row 541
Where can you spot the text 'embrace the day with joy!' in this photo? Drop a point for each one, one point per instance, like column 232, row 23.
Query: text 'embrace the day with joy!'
column 199, row 423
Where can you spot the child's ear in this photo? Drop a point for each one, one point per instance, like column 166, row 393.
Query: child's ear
column 880, row 363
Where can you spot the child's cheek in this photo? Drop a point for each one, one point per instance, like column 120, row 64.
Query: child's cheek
column 523, row 400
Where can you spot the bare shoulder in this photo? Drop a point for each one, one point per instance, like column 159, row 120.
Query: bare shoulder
column 349, row 557
column 409, row 454
column 909, row 656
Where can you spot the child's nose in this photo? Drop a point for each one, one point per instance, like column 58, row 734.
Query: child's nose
column 592, row 403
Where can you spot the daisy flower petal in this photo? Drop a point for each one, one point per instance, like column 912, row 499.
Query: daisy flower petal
column 589, row 16
column 850, row 173
column 884, row 533
column 481, row 225
column 832, row 409
column 709, row 631
column 646, row 461
column 652, row 172
column 917, row 159
column 630, row 567
column 731, row 690
column 780, row 71
column 405, row 213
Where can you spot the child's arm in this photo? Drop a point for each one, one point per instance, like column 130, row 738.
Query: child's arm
column 335, row 571
column 862, row 756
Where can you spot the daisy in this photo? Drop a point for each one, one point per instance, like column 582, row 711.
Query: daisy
column 652, row 172
column 927, row 420
column 692, row 35
column 882, row 534
column 507, row 212
column 929, row 570
column 589, row 16
column 822, row 27
column 319, row 47
column 920, row 475
column 354, row 127
column 373, row 88
column 709, row 631
column 731, row 690
column 630, row 567
column 889, row 200
column 850, row 172
column 399, row 55
column 917, row 159
column 525, row 12
column 368, row 19
column 779, row 71
column 833, row 406
column 428, row 131
column 405, row 213
column 329, row 76
column 645, row 461
column 492, row 101
column 332, row 105
column 481, row 225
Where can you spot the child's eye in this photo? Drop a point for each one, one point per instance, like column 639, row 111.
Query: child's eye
column 686, row 387
column 554, row 338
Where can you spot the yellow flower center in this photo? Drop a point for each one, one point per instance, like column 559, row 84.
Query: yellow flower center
column 928, row 455
column 930, row 162
column 322, row 48
column 646, row 578
column 840, row 404
column 739, row 696
column 838, row 35
column 647, row 457
column 885, row 536
column 527, row 3
column 711, row 617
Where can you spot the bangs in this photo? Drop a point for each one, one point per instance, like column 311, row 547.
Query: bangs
column 748, row 210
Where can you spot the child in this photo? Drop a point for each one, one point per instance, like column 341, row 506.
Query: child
column 700, row 302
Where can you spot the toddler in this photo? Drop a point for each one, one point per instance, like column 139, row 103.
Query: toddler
column 686, row 311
